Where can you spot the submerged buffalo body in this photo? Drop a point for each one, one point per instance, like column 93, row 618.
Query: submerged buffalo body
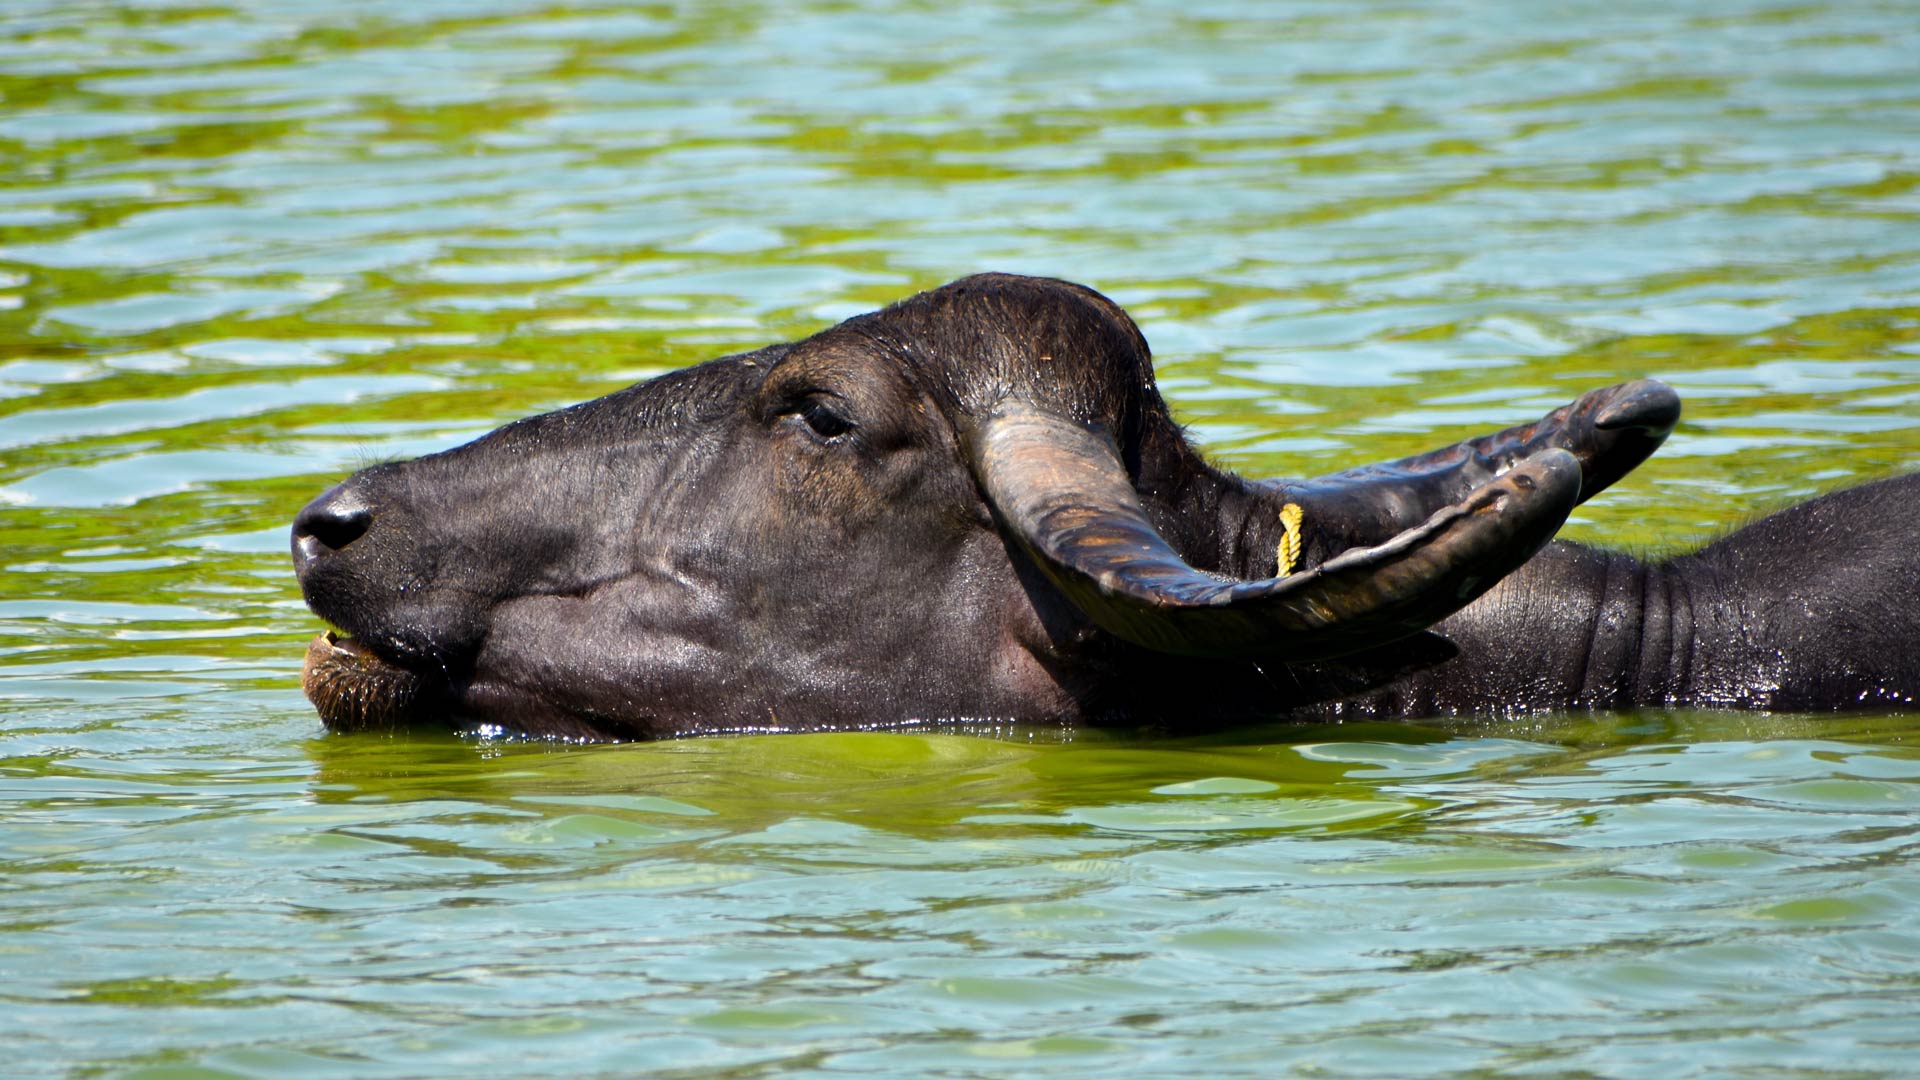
column 974, row 505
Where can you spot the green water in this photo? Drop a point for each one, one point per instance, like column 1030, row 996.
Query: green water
column 248, row 247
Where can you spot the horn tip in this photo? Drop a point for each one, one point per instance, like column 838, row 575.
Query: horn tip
column 1646, row 405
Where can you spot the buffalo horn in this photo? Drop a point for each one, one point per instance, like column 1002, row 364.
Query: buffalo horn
column 1062, row 489
column 1609, row 431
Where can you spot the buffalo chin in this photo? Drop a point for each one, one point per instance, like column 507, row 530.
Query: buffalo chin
column 354, row 690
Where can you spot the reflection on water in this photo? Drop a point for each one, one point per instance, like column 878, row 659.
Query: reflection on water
column 247, row 247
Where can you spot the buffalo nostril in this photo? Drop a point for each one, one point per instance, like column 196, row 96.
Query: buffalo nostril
column 335, row 519
column 340, row 529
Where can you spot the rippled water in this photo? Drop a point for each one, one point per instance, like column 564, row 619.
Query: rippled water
column 247, row 247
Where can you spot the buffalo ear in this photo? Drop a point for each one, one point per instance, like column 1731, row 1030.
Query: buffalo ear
column 1061, row 488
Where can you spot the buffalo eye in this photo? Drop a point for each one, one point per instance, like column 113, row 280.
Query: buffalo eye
column 820, row 414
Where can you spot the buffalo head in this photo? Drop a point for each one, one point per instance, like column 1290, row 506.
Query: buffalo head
column 972, row 504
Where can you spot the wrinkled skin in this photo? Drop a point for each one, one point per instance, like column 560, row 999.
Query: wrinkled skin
column 973, row 505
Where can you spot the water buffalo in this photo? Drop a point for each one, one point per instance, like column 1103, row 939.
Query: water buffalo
column 974, row 505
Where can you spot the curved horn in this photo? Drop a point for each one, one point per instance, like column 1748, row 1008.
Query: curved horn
column 1064, row 492
column 1610, row 431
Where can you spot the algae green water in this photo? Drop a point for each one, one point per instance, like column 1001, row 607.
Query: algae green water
column 246, row 247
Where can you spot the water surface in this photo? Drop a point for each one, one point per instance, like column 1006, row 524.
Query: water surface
column 248, row 247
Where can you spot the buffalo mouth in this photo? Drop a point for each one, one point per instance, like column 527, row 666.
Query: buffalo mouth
column 355, row 690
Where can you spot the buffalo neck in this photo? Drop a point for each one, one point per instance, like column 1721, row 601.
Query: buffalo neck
column 1582, row 628
column 1577, row 627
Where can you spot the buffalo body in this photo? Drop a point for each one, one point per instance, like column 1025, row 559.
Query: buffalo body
column 974, row 505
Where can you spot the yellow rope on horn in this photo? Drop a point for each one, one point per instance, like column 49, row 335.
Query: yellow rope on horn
column 1290, row 515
